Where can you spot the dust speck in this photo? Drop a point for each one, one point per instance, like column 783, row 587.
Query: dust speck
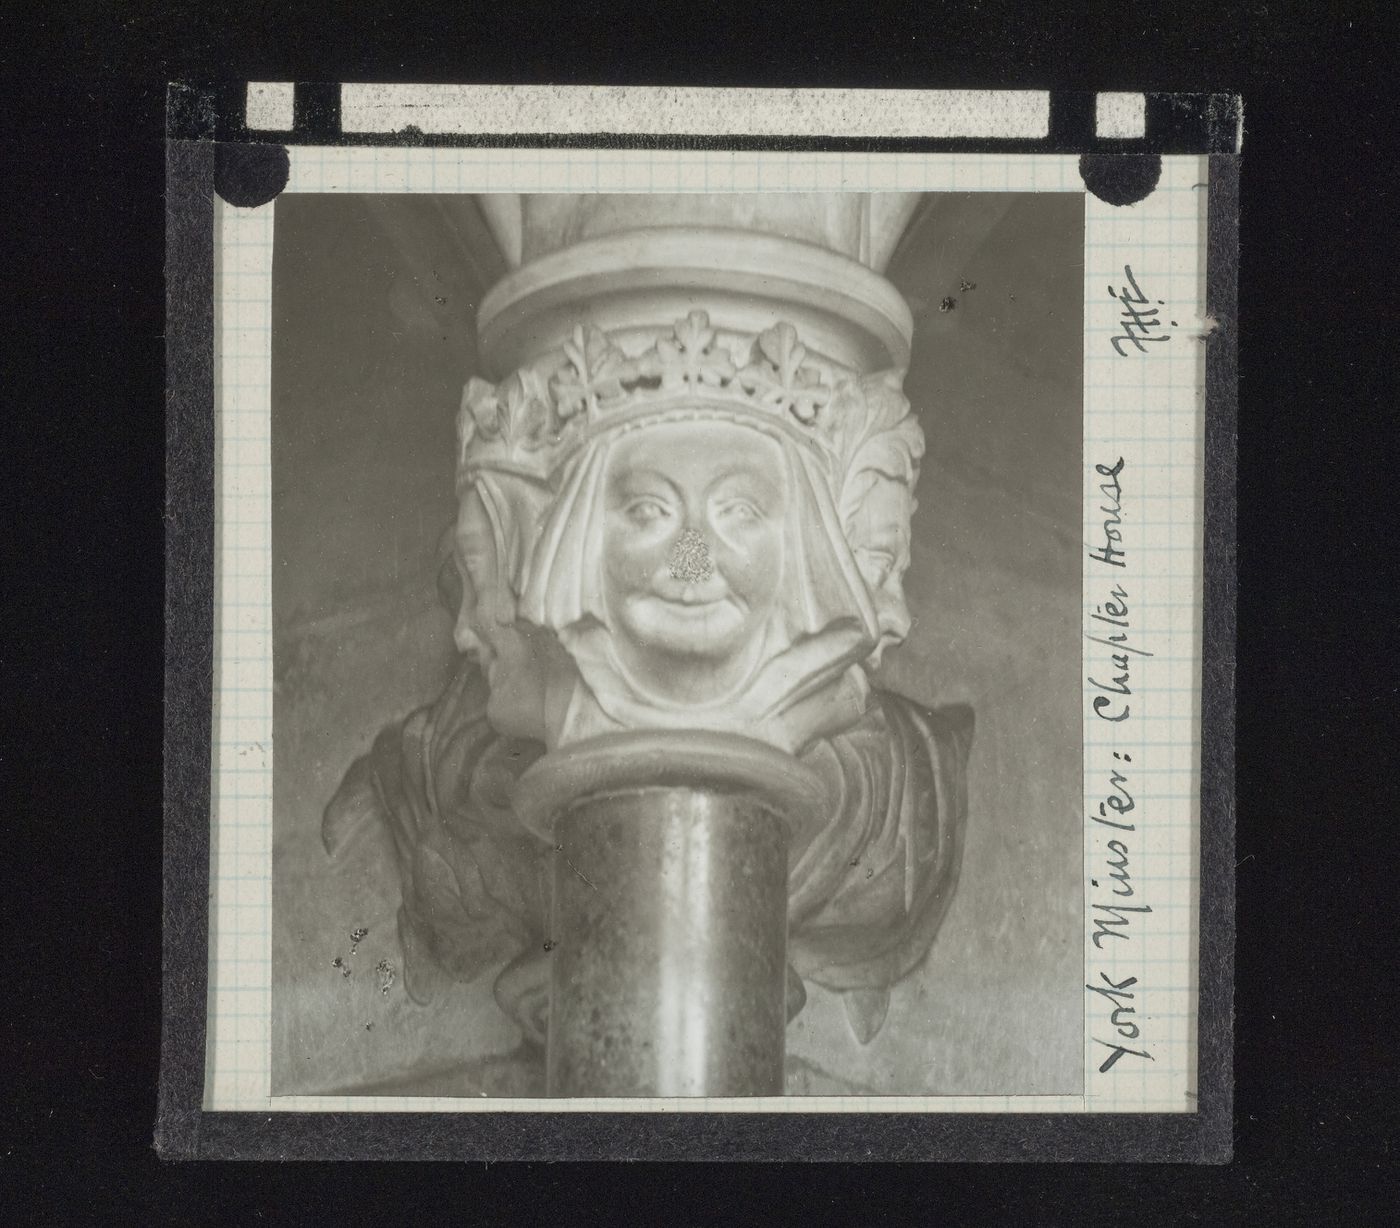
column 386, row 976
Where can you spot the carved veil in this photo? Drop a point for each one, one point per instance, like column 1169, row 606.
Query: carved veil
column 822, row 626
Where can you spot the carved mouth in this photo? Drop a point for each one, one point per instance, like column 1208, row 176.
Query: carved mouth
column 694, row 606
column 694, row 609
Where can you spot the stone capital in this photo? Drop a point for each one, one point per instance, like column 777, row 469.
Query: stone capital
column 686, row 496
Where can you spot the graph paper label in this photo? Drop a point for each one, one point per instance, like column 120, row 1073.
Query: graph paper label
column 1052, row 346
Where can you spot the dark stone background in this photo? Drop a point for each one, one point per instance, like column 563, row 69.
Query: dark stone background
column 374, row 300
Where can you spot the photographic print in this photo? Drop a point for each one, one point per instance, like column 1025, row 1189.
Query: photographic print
column 729, row 512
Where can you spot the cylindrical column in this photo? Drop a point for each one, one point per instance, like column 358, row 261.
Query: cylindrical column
column 669, row 953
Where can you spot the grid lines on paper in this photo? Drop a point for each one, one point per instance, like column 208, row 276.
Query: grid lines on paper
column 240, row 904
column 1149, row 408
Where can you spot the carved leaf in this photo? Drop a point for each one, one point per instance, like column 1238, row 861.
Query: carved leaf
column 865, row 1012
column 352, row 808
column 513, row 406
column 777, row 373
column 596, row 372
column 689, row 356
column 784, row 351
column 524, row 418
column 694, row 334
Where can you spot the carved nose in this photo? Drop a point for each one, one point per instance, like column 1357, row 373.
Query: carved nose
column 690, row 558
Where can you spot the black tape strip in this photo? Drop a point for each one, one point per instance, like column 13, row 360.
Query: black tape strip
column 189, row 635
column 883, row 1137
column 191, row 113
column 1192, row 123
column 1216, row 958
column 231, row 106
column 1071, row 120
column 316, row 114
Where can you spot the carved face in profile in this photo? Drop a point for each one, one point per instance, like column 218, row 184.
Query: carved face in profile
column 693, row 552
column 478, row 566
column 487, row 626
column 877, row 527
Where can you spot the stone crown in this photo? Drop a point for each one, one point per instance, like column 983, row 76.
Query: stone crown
column 533, row 419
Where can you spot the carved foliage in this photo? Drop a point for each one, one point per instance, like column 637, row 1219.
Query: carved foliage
column 526, row 418
column 595, row 373
column 779, row 376
column 515, row 419
column 689, row 357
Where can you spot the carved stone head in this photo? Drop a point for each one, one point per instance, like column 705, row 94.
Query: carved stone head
column 684, row 538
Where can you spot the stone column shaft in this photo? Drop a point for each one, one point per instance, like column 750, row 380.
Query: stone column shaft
column 669, row 934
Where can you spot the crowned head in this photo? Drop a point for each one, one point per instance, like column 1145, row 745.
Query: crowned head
column 698, row 513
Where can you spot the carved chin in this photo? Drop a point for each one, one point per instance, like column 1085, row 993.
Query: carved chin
column 712, row 629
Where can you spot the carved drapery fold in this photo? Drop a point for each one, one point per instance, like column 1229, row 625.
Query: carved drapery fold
column 867, row 889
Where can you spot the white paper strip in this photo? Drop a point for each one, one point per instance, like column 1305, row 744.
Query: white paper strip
column 1120, row 116
column 271, row 106
column 574, row 110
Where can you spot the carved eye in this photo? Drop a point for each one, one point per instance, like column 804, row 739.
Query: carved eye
column 647, row 511
column 740, row 510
